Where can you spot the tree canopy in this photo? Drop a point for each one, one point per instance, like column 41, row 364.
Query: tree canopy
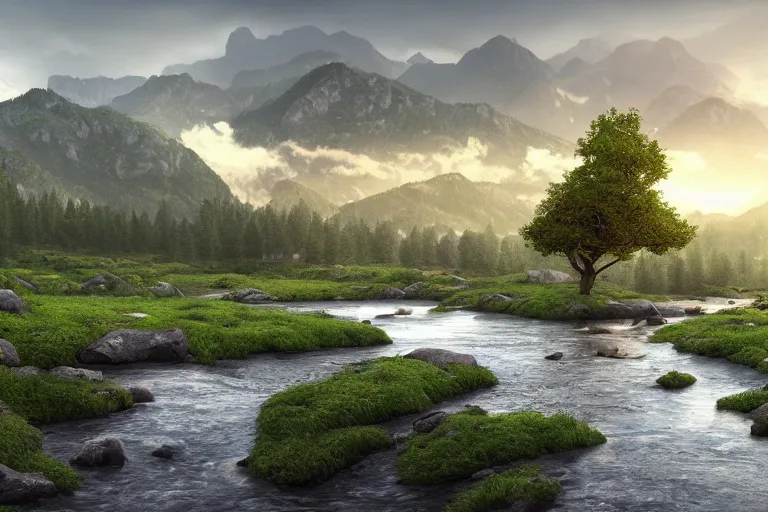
column 607, row 207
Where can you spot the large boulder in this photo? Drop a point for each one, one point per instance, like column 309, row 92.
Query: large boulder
column 671, row 311
column 105, row 282
column 165, row 290
column 548, row 277
column 108, row 451
column 137, row 346
column 759, row 428
column 413, row 291
column 67, row 372
column 8, row 354
column 22, row 488
column 459, row 282
column 637, row 309
column 391, row 292
column 656, row 320
column 11, row 303
column 759, row 414
column 249, row 296
column 141, row 394
column 430, row 422
column 441, row 357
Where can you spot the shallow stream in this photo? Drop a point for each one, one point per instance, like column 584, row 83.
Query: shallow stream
column 666, row 450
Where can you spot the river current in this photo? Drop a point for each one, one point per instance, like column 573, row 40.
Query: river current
column 666, row 450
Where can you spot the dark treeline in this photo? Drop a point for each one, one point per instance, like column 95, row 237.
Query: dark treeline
column 231, row 231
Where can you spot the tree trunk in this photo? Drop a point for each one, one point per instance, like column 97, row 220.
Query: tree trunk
column 587, row 281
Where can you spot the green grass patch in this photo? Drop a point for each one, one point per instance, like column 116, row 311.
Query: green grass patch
column 741, row 335
column 45, row 398
column 21, row 449
column 521, row 486
column 58, row 328
column 470, row 441
column 746, row 401
column 542, row 301
column 310, row 432
column 676, row 380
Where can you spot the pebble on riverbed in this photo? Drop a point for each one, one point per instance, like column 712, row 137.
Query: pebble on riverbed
column 164, row 452
column 554, row 357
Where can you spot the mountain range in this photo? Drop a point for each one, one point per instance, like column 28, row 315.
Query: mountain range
column 101, row 155
column 245, row 52
column 93, row 92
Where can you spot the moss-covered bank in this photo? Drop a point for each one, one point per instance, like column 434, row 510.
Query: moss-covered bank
column 58, row 328
column 746, row 401
column 472, row 440
column 741, row 335
column 21, row 449
column 310, row 432
column 513, row 296
column 676, row 380
column 522, row 487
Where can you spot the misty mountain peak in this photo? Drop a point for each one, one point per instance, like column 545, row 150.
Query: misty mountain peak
column 418, row 58
column 240, row 41
column 40, row 99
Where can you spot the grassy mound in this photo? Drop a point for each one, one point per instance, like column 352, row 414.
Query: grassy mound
column 746, row 401
column 741, row 335
column 542, row 301
column 472, row 440
column 311, row 431
column 58, row 328
column 45, row 398
column 676, row 380
column 21, row 449
column 521, row 486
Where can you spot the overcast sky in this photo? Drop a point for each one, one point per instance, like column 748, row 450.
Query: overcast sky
column 118, row 37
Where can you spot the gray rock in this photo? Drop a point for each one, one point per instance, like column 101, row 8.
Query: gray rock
column 482, row 475
column 548, row 277
column 108, row 451
column 554, row 357
column 441, row 357
column 656, row 320
column 759, row 428
column 694, row 310
column 66, row 372
column 367, row 322
column 243, row 463
column 250, row 296
column 384, row 315
column 11, row 303
column 594, row 329
column 27, row 371
column 403, row 312
column 671, row 311
column 137, row 346
column 761, row 413
column 430, row 422
column 105, row 282
column 732, row 302
column 8, row 354
column 413, row 291
column 579, row 311
column 25, row 284
column 136, row 315
column 637, row 309
column 164, row 452
column 452, row 434
column 141, row 394
column 22, row 488
column 165, row 290
column 496, row 297
column 459, row 282
column 391, row 292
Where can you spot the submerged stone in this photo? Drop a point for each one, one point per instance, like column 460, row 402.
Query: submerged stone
column 141, row 394
column 554, row 357
column 108, row 451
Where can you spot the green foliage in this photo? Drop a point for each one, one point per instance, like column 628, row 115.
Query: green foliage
column 21, row 449
column 543, row 301
column 311, row 431
column 746, row 401
column 58, row 328
column 465, row 443
column 676, row 380
column 45, row 398
column 739, row 334
column 522, row 485
column 607, row 207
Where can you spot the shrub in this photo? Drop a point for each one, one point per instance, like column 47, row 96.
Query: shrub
column 676, row 380
column 521, row 486
column 746, row 401
column 467, row 442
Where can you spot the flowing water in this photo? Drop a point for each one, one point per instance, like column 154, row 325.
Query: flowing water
column 666, row 450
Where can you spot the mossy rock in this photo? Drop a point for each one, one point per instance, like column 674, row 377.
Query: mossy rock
column 676, row 380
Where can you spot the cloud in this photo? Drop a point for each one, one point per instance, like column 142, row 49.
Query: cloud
column 7, row 91
column 344, row 176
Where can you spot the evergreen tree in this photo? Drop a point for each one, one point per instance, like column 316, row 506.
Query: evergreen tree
column 448, row 250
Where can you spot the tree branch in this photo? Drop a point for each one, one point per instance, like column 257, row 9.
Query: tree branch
column 608, row 265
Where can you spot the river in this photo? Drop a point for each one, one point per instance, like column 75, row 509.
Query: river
column 666, row 450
